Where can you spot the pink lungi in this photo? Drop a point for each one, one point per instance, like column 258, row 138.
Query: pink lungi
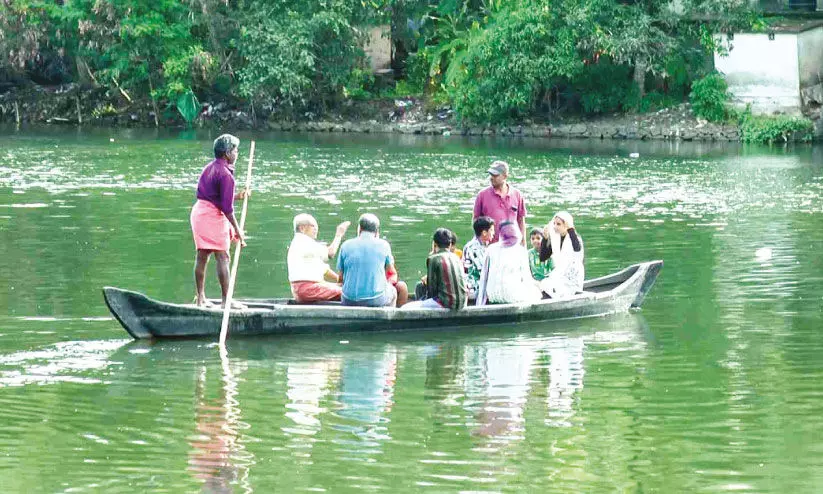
column 211, row 228
column 315, row 291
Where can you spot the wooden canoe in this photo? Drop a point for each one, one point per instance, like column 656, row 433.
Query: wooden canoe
column 145, row 318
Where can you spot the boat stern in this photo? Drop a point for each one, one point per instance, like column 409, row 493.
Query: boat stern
column 651, row 270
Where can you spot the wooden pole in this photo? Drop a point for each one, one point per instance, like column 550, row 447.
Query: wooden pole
column 16, row 114
column 224, row 328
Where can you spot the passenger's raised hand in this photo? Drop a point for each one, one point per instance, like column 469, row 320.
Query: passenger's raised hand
column 341, row 228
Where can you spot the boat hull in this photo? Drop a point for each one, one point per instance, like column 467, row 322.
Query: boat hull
column 144, row 317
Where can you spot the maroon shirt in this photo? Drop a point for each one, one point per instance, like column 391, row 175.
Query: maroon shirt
column 510, row 207
column 216, row 185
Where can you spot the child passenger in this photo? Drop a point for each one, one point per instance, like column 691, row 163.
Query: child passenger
column 539, row 269
column 474, row 252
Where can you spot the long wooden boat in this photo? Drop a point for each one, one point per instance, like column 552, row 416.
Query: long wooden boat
column 145, row 318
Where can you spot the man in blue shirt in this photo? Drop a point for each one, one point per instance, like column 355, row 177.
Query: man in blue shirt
column 363, row 263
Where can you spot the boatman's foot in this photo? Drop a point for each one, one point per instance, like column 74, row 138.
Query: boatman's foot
column 203, row 303
column 235, row 305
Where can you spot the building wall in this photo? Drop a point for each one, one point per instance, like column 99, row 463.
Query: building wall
column 378, row 48
column 762, row 72
column 810, row 54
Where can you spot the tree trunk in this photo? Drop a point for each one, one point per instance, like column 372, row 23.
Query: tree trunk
column 640, row 78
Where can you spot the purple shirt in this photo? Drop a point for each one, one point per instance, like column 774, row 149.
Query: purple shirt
column 216, row 185
column 510, row 207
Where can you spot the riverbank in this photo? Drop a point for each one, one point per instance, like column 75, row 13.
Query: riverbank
column 71, row 105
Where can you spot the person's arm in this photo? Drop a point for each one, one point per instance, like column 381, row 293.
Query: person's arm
column 481, row 286
column 330, row 275
column 434, row 278
column 338, row 237
column 340, row 267
column 226, row 186
column 389, row 266
column 521, row 217
column 521, row 222
column 574, row 239
column 240, row 236
column 545, row 249
column 242, row 194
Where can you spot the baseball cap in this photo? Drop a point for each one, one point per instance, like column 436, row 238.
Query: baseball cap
column 499, row 167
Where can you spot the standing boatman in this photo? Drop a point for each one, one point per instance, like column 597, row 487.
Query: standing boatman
column 500, row 201
column 212, row 217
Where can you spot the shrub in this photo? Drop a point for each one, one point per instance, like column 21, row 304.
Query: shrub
column 605, row 87
column 771, row 129
column 709, row 97
column 506, row 68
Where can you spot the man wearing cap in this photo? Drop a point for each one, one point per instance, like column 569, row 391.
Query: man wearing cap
column 500, row 201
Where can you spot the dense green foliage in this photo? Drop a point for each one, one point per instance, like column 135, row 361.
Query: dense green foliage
column 709, row 97
column 491, row 60
column 778, row 128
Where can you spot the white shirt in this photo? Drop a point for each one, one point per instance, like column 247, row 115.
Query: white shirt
column 307, row 259
column 508, row 279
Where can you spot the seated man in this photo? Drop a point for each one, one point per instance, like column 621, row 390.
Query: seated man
column 311, row 278
column 475, row 251
column 540, row 269
column 363, row 263
column 446, row 283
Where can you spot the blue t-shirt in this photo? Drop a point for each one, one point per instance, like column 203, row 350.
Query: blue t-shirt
column 363, row 262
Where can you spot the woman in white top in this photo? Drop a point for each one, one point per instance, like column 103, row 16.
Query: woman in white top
column 506, row 277
column 564, row 246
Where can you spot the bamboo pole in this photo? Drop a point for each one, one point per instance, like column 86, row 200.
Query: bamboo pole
column 224, row 327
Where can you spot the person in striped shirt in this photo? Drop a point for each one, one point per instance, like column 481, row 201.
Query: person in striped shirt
column 446, row 282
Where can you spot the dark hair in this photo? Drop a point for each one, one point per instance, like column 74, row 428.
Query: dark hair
column 443, row 237
column 481, row 224
column 536, row 231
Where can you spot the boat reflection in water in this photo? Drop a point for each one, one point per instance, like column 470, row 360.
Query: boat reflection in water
column 217, row 457
column 309, row 399
column 367, row 393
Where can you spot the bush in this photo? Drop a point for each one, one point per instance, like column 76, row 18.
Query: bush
column 656, row 101
column 360, row 85
column 506, row 68
column 605, row 87
column 709, row 97
column 771, row 129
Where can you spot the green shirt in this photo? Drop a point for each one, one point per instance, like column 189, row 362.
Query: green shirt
column 539, row 269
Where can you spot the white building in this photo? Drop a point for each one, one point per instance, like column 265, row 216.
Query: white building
column 777, row 71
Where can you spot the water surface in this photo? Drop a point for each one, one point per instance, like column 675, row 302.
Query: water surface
column 712, row 387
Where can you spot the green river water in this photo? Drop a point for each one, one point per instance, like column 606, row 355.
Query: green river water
column 716, row 385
